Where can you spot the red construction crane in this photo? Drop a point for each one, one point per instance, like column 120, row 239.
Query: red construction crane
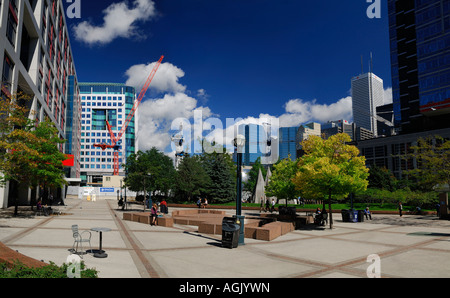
column 115, row 139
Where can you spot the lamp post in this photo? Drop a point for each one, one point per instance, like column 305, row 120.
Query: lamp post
column 239, row 143
column 146, row 175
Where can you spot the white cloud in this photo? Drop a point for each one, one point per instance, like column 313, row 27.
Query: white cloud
column 388, row 95
column 299, row 111
column 156, row 117
column 119, row 21
column 165, row 79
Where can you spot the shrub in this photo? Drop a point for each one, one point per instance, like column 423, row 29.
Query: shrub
column 19, row 270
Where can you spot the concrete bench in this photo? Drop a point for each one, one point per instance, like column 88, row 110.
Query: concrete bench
column 268, row 231
column 145, row 217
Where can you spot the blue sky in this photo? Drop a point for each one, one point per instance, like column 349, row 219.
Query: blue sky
column 290, row 59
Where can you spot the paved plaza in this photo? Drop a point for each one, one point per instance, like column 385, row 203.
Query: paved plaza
column 408, row 246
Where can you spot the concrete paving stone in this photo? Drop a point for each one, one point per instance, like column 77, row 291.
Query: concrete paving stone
column 5, row 233
column 381, row 238
column 442, row 244
column 415, row 229
column 337, row 275
column 412, row 246
column 124, row 266
column 415, row 263
column 46, row 237
column 220, row 262
column 328, row 251
column 57, row 255
column 160, row 240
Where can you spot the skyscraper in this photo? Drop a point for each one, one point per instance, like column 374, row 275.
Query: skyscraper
column 101, row 102
column 420, row 56
column 36, row 59
column 287, row 142
column 254, row 136
column 367, row 95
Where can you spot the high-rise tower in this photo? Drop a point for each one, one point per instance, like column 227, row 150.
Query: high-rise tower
column 420, row 57
column 367, row 95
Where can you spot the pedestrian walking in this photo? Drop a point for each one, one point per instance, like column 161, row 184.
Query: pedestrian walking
column 272, row 208
column 400, row 208
column 267, row 205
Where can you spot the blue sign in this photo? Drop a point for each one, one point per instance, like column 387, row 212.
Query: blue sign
column 106, row 189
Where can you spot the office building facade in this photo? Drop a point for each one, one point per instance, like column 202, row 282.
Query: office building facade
column 36, row 59
column 419, row 33
column 254, row 135
column 388, row 152
column 337, row 126
column 101, row 102
column 287, row 142
column 367, row 95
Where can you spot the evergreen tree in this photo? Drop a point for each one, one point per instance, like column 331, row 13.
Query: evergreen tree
column 221, row 171
column 192, row 180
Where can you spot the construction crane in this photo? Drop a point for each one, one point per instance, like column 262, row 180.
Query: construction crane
column 116, row 139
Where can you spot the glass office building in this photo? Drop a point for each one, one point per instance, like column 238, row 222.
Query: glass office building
column 73, row 127
column 255, row 135
column 101, row 102
column 287, row 142
column 420, row 57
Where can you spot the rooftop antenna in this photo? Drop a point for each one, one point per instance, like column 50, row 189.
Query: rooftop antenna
column 371, row 62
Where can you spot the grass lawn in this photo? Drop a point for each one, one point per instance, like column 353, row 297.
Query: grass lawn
column 337, row 206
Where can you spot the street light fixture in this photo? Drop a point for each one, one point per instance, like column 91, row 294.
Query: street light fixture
column 239, row 143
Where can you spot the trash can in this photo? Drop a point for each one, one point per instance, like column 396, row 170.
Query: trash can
column 230, row 232
column 345, row 215
column 353, row 215
column 360, row 215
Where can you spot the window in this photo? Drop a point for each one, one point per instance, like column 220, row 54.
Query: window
column 8, row 67
column 11, row 27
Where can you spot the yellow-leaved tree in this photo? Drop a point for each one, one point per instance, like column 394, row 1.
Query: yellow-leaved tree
column 330, row 169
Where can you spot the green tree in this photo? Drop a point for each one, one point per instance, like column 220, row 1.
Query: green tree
column 330, row 168
column 222, row 173
column 281, row 183
column 29, row 153
column 49, row 171
column 381, row 178
column 192, row 180
column 433, row 162
column 17, row 158
column 149, row 171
